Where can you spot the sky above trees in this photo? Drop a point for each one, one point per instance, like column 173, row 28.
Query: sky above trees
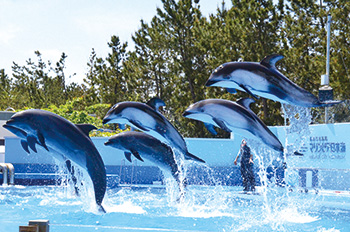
column 72, row 27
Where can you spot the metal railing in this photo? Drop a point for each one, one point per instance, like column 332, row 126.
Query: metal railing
column 123, row 174
column 8, row 172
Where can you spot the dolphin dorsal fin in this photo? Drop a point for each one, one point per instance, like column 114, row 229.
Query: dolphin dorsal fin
column 155, row 103
column 245, row 102
column 86, row 128
column 271, row 60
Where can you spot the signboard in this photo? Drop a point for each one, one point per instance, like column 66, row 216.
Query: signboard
column 324, row 146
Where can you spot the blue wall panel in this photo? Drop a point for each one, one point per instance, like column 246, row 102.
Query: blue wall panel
column 325, row 150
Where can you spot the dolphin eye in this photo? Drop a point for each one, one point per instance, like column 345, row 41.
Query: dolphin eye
column 218, row 68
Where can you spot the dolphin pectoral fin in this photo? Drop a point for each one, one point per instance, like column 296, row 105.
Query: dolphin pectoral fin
column 210, row 128
column 128, row 156
column 193, row 157
column 137, row 124
column 25, row 146
column 42, row 140
column 31, row 140
column 137, row 155
column 245, row 102
column 248, row 91
column 86, row 128
column 231, row 90
column 271, row 60
column 221, row 124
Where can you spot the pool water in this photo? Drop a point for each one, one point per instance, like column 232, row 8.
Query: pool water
column 154, row 208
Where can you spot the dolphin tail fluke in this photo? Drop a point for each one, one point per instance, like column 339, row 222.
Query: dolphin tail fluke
column 330, row 103
column 190, row 156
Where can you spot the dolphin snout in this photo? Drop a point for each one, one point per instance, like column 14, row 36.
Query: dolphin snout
column 6, row 126
column 210, row 82
column 9, row 122
column 186, row 113
column 106, row 120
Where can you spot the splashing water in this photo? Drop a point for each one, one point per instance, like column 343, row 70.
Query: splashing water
column 297, row 120
column 202, row 208
column 79, row 185
column 277, row 202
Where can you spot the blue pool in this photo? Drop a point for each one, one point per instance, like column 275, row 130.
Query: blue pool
column 315, row 196
column 151, row 208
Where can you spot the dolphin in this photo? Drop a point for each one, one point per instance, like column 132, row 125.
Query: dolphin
column 62, row 139
column 145, row 118
column 234, row 117
column 143, row 145
column 154, row 102
column 263, row 79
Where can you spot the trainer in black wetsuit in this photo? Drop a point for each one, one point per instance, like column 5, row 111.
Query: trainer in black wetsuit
column 246, row 167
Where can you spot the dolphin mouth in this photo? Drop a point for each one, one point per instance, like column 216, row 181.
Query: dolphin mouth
column 9, row 122
column 5, row 126
column 11, row 127
column 210, row 82
column 186, row 113
column 106, row 120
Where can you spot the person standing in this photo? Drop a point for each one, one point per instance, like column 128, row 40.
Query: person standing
column 246, row 167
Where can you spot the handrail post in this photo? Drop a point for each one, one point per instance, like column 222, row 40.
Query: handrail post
column 11, row 171
column 3, row 169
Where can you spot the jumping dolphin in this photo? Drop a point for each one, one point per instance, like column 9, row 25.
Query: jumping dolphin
column 142, row 145
column 154, row 102
column 61, row 138
column 263, row 79
column 233, row 117
column 145, row 118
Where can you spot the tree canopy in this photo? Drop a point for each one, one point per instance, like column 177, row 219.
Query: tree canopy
column 177, row 50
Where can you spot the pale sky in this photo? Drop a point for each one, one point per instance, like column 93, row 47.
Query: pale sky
column 73, row 27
